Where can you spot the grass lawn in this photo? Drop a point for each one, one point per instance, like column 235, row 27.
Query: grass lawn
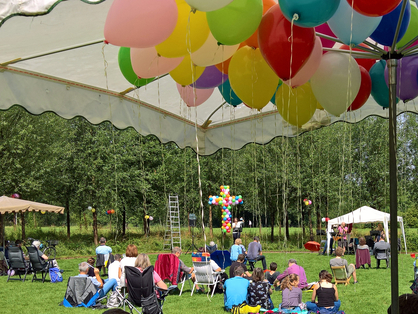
column 371, row 295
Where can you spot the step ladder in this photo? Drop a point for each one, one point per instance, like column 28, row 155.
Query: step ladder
column 172, row 235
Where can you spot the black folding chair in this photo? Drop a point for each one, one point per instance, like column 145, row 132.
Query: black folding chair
column 142, row 291
column 38, row 264
column 17, row 264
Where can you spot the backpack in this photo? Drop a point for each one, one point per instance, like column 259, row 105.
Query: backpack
column 114, row 300
column 244, row 308
column 235, row 251
column 55, row 275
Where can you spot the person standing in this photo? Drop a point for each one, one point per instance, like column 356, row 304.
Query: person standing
column 343, row 230
column 237, row 228
column 255, row 252
column 102, row 253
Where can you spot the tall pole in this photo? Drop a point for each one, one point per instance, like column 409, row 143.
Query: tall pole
column 393, row 174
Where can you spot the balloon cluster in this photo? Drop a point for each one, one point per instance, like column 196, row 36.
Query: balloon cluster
column 226, row 201
column 93, row 210
column 247, row 48
column 15, row 195
column 325, row 219
column 307, row 202
column 110, row 212
column 150, row 218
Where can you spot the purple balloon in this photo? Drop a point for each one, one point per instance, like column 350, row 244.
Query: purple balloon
column 407, row 78
column 210, row 78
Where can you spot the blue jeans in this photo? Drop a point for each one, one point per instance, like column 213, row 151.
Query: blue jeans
column 109, row 284
column 313, row 307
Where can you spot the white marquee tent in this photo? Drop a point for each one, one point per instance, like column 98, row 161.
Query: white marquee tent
column 365, row 214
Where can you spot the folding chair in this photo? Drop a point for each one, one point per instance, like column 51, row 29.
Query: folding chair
column 142, row 291
column 382, row 255
column 81, row 292
column 205, row 275
column 17, row 263
column 168, row 267
column 340, row 275
column 222, row 258
column 103, row 260
column 38, row 264
column 251, row 263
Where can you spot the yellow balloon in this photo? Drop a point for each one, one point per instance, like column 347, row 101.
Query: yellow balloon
column 189, row 35
column 251, row 78
column 43, row 212
column 318, row 106
column 146, row 216
column 186, row 73
column 296, row 105
column 93, row 210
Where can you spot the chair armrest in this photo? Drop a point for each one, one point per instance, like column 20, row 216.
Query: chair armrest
column 165, row 292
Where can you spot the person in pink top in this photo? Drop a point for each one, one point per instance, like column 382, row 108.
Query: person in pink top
column 343, row 230
column 294, row 268
column 142, row 262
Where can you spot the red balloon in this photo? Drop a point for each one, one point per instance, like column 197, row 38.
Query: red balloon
column 374, row 7
column 364, row 91
column 365, row 63
column 253, row 40
column 276, row 45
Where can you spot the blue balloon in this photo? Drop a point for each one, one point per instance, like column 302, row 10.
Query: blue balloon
column 380, row 90
column 311, row 13
column 210, row 203
column 362, row 26
column 385, row 32
column 228, row 94
column 273, row 99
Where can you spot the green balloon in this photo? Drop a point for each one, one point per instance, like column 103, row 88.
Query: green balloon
column 125, row 66
column 235, row 22
column 411, row 30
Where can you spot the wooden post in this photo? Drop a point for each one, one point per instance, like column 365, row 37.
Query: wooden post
column 95, row 236
column 22, row 217
column 67, row 205
column 210, row 222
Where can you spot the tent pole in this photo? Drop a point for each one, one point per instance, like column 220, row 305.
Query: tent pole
column 3, row 231
column 392, row 66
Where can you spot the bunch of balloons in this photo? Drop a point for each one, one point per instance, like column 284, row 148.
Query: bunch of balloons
column 15, row 195
column 110, row 212
column 256, row 50
column 150, row 218
column 325, row 219
column 92, row 209
column 226, row 201
column 307, row 202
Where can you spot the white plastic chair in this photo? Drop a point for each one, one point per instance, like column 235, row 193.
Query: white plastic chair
column 205, row 275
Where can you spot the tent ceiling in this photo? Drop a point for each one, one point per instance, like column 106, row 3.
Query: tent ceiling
column 86, row 81
column 14, row 205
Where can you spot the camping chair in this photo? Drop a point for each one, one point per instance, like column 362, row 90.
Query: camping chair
column 382, row 255
column 363, row 258
column 340, row 275
column 17, row 263
column 103, row 260
column 168, row 267
column 81, row 292
column 205, row 275
column 222, row 258
column 251, row 263
column 142, row 291
column 38, row 264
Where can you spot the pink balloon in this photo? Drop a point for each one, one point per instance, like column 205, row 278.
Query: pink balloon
column 324, row 29
column 147, row 63
column 140, row 23
column 309, row 68
column 194, row 98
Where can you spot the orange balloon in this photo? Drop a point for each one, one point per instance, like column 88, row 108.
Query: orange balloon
column 223, row 67
column 253, row 41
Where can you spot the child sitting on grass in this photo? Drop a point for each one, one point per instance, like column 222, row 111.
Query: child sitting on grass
column 272, row 273
column 291, row 294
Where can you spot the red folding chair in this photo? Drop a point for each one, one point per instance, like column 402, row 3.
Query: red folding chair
column 168, row 267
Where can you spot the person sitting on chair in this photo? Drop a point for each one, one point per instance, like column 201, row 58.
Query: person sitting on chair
column 103, row 289
column 236, row 289
column 237, row 249
column 339, row 261
column 381, row 245
column 37, row 244
column 187, row 270
column 142, row 262
column 255, row 252
column 212, row 247
column 294, row 268
column 239, row 263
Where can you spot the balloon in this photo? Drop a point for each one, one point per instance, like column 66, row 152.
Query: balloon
column 125, row 66
column 251, row 78
column 212, row 52
column 366, row 63
column 411, row 31
column 273, row 37
column 306, row 203
column 43, row 212
column 380, row 90
column 210, row 78
column 374, row 8
column 336, row 82
column 146, row 216
column 253, row 40
column 146, row 62
column 89, row 208
column 385, row 32
column 128, row 17
column 151, row 218
column 15, row 195
column 189, row 35
column 350, row 26
column 207, row 6
column 93, row 210
column 309, row 68
column 235, row 22
column 407, row 78
column 364, row 91
column 228, row 94
column 296, row 106
column 186, row 72
column 194, row 97
column 310, row 13
column 325, row 30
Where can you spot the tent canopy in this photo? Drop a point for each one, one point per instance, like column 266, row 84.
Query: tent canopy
column 365, row 214
column 14, row 205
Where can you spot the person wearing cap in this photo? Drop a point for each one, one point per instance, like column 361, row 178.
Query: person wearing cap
column 294, row 268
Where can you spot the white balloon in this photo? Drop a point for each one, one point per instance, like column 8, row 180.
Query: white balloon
column 336, row 82
column 208, row 5
column 89, row 208
column 211, row 53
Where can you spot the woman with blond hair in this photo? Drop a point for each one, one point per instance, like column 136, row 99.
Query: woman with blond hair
column 291, row 294
column 142, row 262
column 129, row 260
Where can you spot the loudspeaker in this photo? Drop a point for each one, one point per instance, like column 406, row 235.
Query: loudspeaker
column 192, row 220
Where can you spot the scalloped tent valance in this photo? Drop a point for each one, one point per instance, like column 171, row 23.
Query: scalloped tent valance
column 15, row 205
